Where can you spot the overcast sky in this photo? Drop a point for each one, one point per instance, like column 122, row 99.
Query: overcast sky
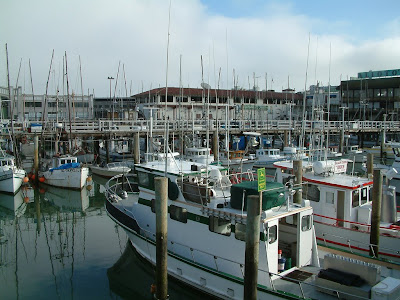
column 259, row 41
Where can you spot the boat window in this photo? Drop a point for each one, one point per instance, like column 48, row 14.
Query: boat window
column 219, row 225
column 143, row 179
column 311, row 192
column 240, row 231
column 178, row 213
column 306, row 223
column 330, row 198
column 364, row 196
column 355, row 199
column 272, row 234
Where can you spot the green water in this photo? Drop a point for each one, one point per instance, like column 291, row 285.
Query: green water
column 60, row 244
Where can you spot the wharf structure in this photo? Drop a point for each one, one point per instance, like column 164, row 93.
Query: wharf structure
column 359, row 105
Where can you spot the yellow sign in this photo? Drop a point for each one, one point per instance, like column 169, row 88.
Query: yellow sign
column 261, row 179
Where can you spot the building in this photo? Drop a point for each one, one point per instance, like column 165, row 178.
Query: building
column 121, row 108
column 371, row 95
column 323, row 99
column 28, row 107
column 237, row 104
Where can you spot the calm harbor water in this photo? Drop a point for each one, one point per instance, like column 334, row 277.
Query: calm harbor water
column 60, row 244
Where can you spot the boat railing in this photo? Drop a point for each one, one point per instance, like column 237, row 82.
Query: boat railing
column 305, row 290
column 117, row 185
column 354, row 247
column 357, row 226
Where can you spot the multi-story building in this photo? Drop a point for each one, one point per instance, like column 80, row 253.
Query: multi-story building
column 236, row 104
column 27, row 107
column 371, row 95
column 323, row 99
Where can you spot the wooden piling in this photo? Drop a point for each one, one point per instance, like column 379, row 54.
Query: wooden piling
column 252, row 247
column 285, row 138
column 370, row 164
column 106, row 143
column 376, row 213
column 161, row 206
column 36, row 159
column 298, row 179
column 136, row 148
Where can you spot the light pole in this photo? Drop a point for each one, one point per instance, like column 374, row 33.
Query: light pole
column 111, row 78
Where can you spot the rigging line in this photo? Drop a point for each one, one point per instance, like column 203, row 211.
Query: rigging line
column 33, row 95
column 304, row 99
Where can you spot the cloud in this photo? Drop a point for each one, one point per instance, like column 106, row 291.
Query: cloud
column 104, row 34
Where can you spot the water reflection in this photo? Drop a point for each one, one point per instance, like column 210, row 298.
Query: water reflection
column 56, row 243
column 131, row 278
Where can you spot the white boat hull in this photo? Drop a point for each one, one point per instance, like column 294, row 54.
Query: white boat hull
column 358, row 241
column 11, row 180
column 109, row 172
column 72, row 178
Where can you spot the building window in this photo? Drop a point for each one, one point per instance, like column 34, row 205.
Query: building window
column 219, row 225
column 178, row 213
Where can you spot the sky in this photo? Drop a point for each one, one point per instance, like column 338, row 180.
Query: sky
column 145, row 44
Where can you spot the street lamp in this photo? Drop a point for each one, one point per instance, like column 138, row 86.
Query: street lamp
column 111, row 78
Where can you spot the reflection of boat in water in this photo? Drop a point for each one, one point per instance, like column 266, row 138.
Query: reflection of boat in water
column 131, row 268
column 18, row 202
column 67, row 199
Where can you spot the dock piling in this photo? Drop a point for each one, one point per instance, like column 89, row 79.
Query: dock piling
column 161, row 206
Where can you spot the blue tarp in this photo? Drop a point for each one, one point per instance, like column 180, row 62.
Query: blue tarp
column 67, row 166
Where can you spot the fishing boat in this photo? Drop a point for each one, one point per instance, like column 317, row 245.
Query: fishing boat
column 265, row 158
column 342, row 205
column 236, row 161
column 207, row 220
column 11, row 177
column 64, row 171
column 200, row 155
column 354, row 153
column 394, row 169
column 67, row 199
column 110, row 170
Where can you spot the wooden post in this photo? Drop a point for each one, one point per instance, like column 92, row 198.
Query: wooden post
column 215, row 145
column 106, row 143
column 285, row 138
column 298, row 179
column 161, row 206
column 36, row 159
column 370, row 164
column 376, row 213
column 136, row 148
column 252, row 247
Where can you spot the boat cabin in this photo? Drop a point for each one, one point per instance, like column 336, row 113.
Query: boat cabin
column 6, row 161
column 334, row 195
column 63, row 159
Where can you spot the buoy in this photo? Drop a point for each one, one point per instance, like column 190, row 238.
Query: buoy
column 42, row 179
column 25, row 180
column 30, row 175
column 89, row 187
column 26, row 199
column 42, row 191
column 153, row 289
column 89, row 178
column 33, row 177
